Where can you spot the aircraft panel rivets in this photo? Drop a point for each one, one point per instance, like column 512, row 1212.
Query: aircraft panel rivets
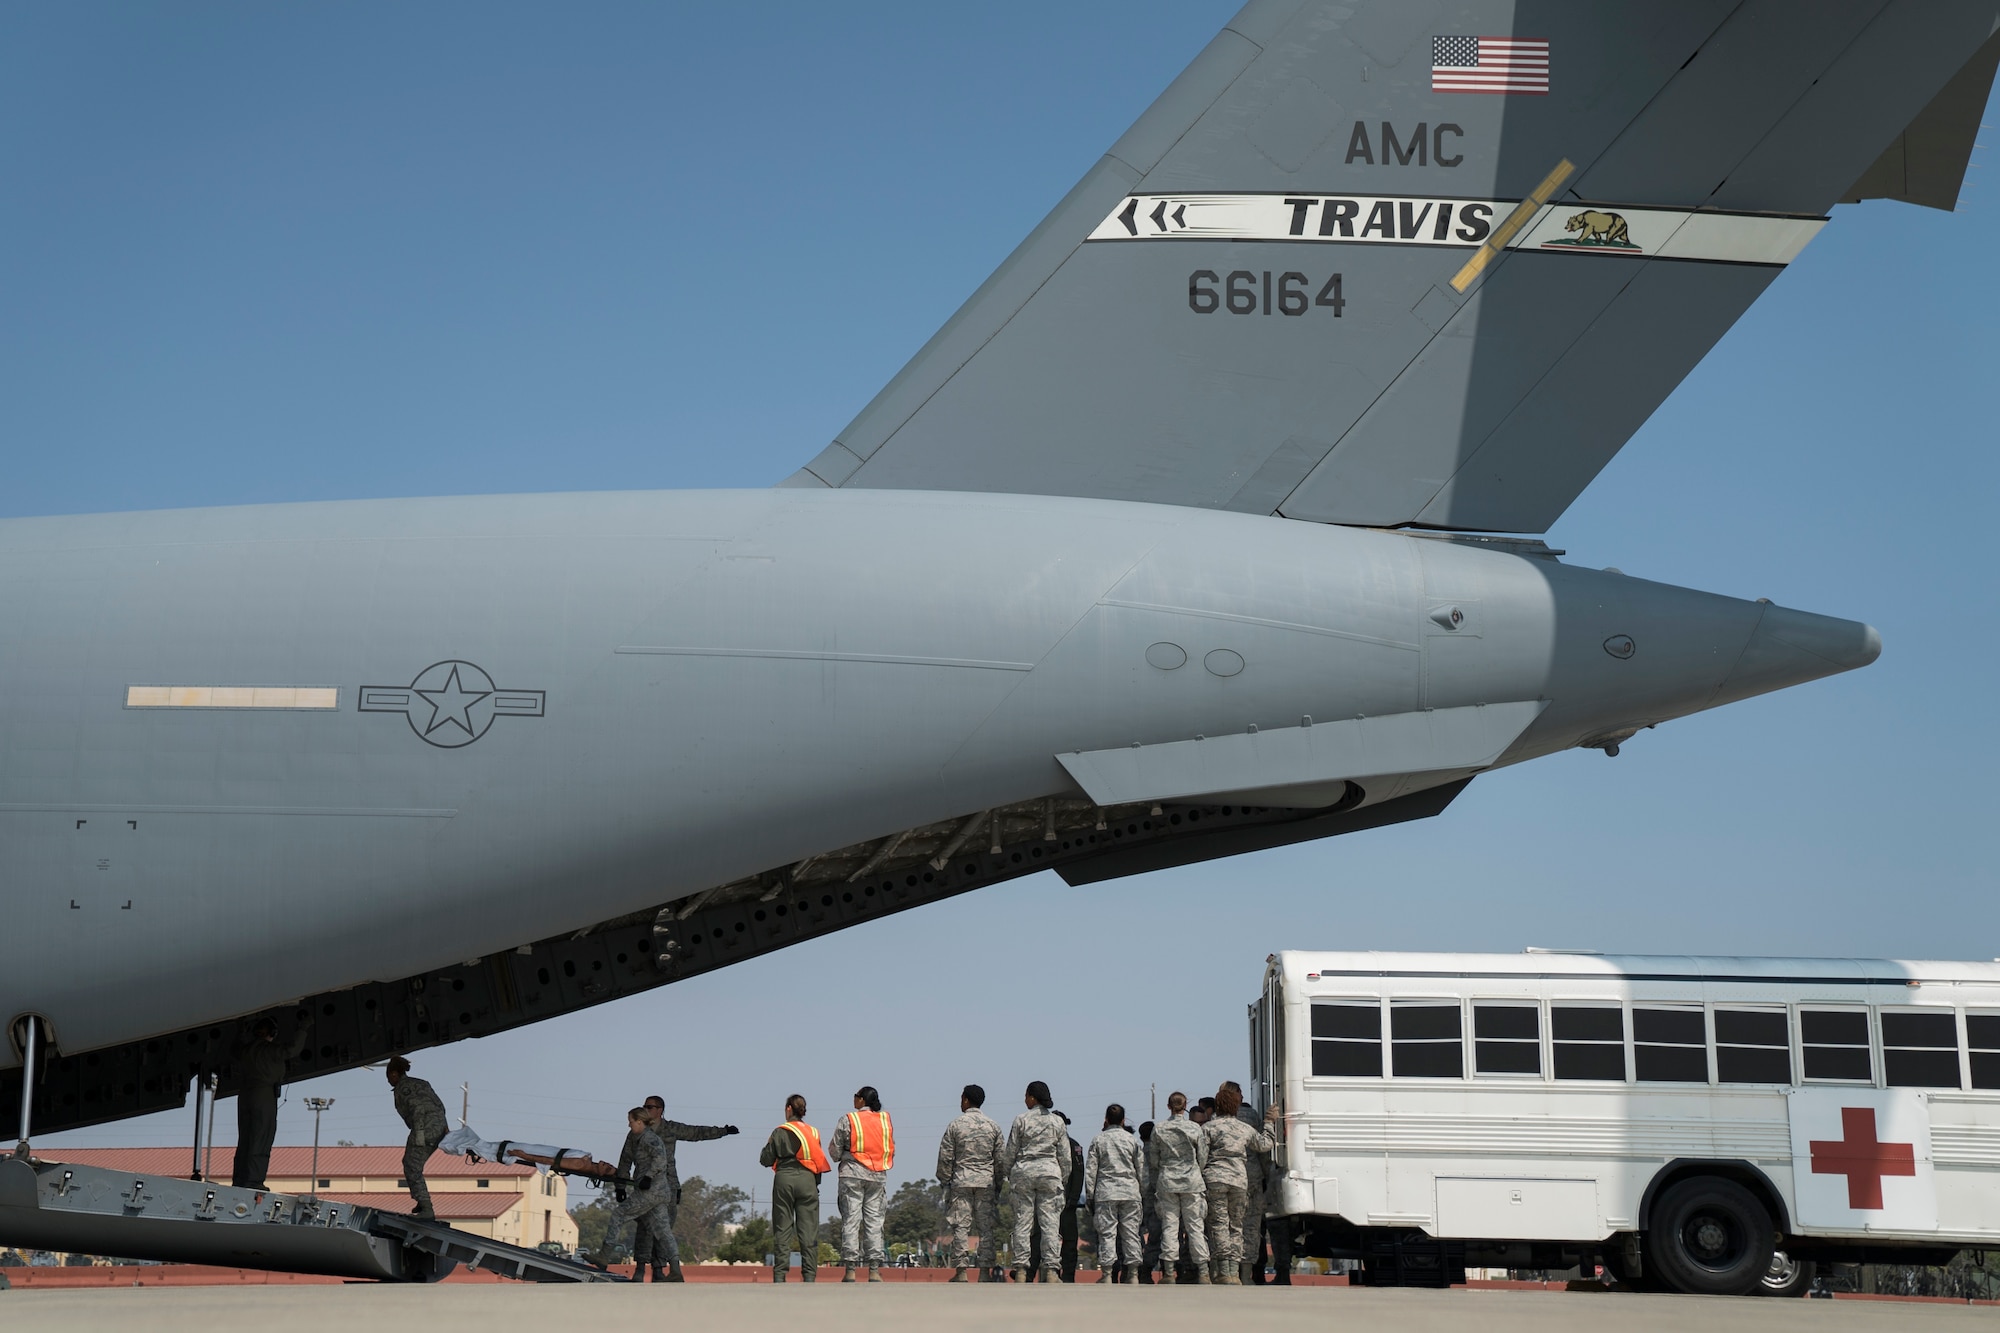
column 1620, row 646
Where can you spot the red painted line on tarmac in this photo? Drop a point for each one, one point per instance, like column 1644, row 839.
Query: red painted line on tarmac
column 201, row 1275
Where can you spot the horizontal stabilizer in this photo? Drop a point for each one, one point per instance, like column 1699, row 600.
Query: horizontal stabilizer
column 1395, row 263
column 1304, row 766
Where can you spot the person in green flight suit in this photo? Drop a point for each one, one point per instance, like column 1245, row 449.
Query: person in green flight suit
column 261, row 1060
column 797, row 1161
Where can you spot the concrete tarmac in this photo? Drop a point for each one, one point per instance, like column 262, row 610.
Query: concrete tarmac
column 832, row 1308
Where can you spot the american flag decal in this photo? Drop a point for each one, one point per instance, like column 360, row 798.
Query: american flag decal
column 1490, row 65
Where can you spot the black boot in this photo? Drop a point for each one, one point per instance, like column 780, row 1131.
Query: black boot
column 673, row 1273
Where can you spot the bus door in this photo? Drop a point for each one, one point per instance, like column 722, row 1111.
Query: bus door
column 1861, row 1155
column 1260, row 1082
column 1267, row 1043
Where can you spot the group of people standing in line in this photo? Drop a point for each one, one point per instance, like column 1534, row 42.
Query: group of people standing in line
column 1199, row 1175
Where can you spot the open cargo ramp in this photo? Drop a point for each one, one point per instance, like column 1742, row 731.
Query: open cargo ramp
column 93, row 1210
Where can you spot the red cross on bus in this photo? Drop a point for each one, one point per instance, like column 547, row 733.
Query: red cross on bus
column 1861, row 1158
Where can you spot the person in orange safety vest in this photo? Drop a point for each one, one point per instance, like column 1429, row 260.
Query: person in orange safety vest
column 865, row 1147
column 797, row 1162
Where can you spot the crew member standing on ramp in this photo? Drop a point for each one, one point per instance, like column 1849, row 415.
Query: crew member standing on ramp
column 421, row 1110
column 865, row 1147
column 797, row 1162
column 260, row 1061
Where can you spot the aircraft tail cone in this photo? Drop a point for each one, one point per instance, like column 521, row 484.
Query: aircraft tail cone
column 1791, row 647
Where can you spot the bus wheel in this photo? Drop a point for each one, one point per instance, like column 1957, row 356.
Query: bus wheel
column 1788, row 1276
column 1710, row 1237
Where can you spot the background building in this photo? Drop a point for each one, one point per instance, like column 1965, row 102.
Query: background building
column 506, row 1203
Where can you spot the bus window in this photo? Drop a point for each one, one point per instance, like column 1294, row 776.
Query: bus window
column 1982, row 1033
column 1506, row 1039
column 1835, row 1042
column 1589, row 1041
column 1670, row 1045
column 1347, row 1040
column 1920, row 1048
column 1426, row 1039
column 1752, row 1046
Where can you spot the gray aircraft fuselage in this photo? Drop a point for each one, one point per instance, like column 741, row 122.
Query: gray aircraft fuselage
column 553, row 710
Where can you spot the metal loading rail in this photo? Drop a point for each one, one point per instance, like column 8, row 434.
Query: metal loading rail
column 448, row 1248
column 93, row 1210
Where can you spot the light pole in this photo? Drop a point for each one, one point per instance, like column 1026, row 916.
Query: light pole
column 316, row 1105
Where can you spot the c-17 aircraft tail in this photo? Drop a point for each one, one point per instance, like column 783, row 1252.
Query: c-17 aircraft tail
column 1399, row 263
column 417, row 771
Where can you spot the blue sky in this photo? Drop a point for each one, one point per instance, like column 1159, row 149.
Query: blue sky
column 266, row 253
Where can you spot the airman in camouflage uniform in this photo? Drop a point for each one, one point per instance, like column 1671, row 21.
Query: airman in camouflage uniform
column 1176, row 1156
column 424, row 1113
column 650, row 1201
column 1035, row 1161
column 1113, row 1175
column 1274, row 1230
column 1264, row 1178
column 647, row 1250
column 1257, row 1167
column 670, row 1132
column 968, row 1157
column 1226, row 1174
column 648, row 1244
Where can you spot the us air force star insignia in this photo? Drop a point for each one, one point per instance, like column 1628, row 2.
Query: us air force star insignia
column 451, row 703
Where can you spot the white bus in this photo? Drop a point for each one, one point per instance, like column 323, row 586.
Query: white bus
column 1711, row 1125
